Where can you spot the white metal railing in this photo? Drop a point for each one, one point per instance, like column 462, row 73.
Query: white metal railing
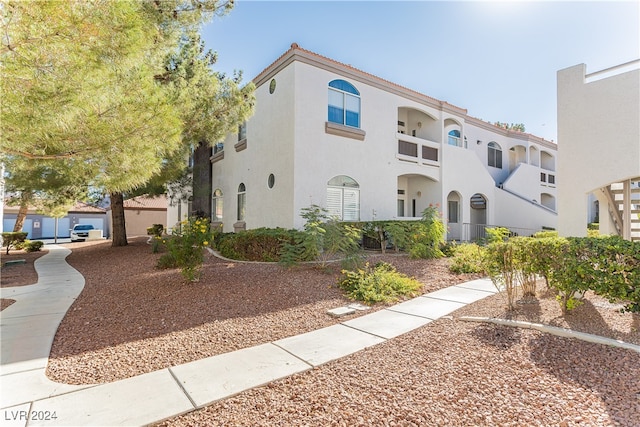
column 472, row 232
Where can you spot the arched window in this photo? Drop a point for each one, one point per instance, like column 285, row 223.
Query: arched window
column 216, row 206
column 344, row 103
column 343, row 198
column 454, row 138
column 494, row 155
column 242, row 201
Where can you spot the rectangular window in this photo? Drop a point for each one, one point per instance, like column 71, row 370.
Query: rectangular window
column 334, row 202
column 242, row 201
column 400, row 207
column 336, row 107
column 351, row 205
column 352, row 117
column 242, row 132
column 543, row 177
column 452, row 206
column 408, row 148
column 495, row 158
column 429, row 153
column 552, row 179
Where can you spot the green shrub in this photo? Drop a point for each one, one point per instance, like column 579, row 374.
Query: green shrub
column 185, row 247
column 324, row 239
column 260, row 244
column 382, row 283
column 467, row 258
column 13, row 239
column 32, row 245
column 428, row 235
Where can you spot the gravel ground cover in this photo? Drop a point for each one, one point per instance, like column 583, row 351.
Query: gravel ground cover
column 132, row 318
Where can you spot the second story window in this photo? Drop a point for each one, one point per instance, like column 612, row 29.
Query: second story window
column 494, row 154
column 344, row 104
column 242, row 132
column 454, row 138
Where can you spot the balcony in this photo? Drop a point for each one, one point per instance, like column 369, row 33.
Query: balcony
column 418, row 150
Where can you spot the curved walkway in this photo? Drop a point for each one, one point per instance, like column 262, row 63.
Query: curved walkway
column 28, row 326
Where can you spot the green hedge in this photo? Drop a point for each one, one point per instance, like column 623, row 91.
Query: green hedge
column 260, row 244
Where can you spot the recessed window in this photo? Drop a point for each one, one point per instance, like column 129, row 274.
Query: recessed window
column 242, row 201
column 494, row 154
column 343, row 198
column 271, row 181
column 242, row 131
column 454, row 138
column 272, row 86
column 216, row 206
column 344, row 104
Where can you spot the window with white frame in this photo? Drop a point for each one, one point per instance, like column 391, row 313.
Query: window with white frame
column 453, row 209
column 242, row 201
column 242, row 131
column 454, row 138
column 343, row 198
column 344, row 104
column 216, row 205
column 494, row 154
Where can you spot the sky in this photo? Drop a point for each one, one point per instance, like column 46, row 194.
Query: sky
column 498, row 60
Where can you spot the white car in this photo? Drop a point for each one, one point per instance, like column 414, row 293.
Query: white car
column 80, row 232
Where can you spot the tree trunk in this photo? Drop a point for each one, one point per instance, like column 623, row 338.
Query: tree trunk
column 201, row 202
column 118, row 228
column 25, row 198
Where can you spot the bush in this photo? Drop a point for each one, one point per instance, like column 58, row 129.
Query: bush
column 324, row 239
column 13, row 239
column 381, row 283
column 260, row 244
column 428, row 235
column 32, row 245
column 185, row 247
column 467, row 258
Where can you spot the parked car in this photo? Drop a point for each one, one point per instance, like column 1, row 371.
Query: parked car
column 80, row 232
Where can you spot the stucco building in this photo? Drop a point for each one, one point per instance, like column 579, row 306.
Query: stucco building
column 599, row 150
column 365, row 148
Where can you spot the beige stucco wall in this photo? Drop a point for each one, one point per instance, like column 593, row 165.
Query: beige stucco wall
column 137, row 220
column 598, row 139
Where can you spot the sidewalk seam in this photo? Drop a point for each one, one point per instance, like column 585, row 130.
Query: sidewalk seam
column 184, row 390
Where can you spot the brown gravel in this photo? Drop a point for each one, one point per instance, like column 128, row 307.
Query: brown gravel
column 19, row 274
column 132, row 318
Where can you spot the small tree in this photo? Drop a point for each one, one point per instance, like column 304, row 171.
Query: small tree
column 429, row 235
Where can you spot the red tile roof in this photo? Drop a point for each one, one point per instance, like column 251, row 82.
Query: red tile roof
column 145, row 202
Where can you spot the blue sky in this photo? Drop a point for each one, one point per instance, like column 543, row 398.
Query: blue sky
column 496, row 59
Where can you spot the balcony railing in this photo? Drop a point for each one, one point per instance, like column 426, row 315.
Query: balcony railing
column 418, row 150
column 467, row 232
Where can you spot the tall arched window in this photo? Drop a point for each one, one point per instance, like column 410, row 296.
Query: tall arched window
column 216, row 206
column 344, row 103
column 494, row 155
column 242, row 201
column 343, row 198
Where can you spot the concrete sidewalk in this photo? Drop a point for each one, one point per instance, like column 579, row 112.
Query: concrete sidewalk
column 27, row 332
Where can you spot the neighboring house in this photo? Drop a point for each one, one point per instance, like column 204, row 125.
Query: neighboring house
column 142, row 212
column 40, row 226
column 326, row 133
column 599, row 162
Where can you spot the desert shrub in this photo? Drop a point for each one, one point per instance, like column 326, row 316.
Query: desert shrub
column 499, row 264
column 260, row 244
column 381, row 283
column 32, row 245
column 427, row 235
column 185, row 247
column 613, row 269
column 13, row 239
column 324, row 239
column 467, row 258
